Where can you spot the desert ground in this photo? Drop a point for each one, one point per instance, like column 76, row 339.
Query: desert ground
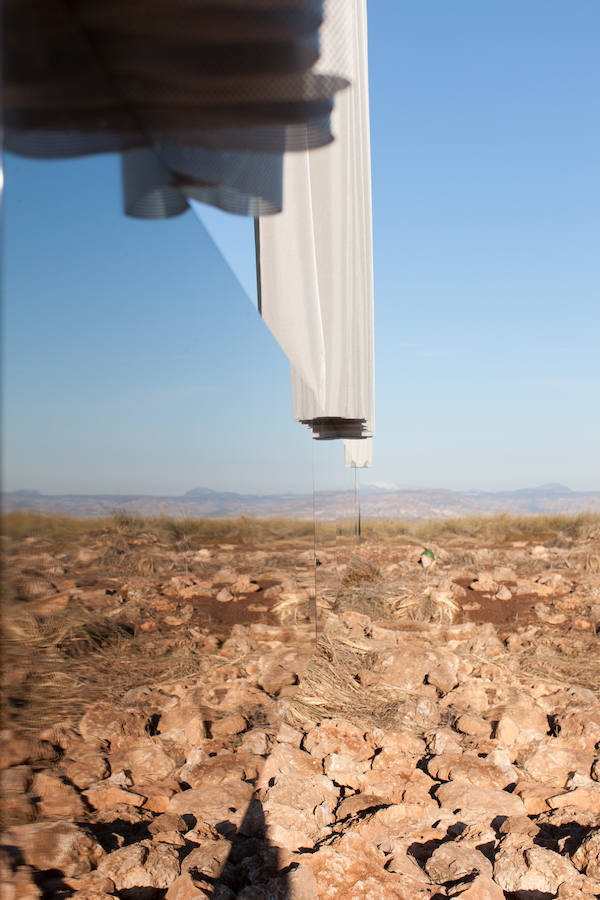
column 176, row 722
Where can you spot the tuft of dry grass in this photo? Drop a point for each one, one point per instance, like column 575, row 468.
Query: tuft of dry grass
column 331, row 688
column 359, row 571
column 438, row 607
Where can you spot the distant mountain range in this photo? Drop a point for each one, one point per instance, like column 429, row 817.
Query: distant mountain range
column 376, row 502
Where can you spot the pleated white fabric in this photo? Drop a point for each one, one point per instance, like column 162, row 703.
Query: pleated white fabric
column 316, row 262
column 358, row 454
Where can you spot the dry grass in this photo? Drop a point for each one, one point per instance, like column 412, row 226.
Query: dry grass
column 363, row 590
column 251, row 530
column 577, row 661
column 502, row 527
column 359, row 571
column 331, row 688
column 55, row 666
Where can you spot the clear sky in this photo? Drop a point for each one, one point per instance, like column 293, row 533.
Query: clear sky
column 134, row 360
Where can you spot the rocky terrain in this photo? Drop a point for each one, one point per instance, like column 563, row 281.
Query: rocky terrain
column 173, row 728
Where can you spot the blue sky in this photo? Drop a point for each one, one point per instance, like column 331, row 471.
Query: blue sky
column 135, row 362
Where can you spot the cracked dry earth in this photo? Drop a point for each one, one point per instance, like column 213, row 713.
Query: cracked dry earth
column 171, row 729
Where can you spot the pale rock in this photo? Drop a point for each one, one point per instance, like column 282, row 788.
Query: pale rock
column 358, row 803
column 141, row 865
column 158, row 794
column 479, row 888
column 185, row 887
column 444, row 674
column 579, row 726
column 303, row 792
column 339, row 736
column 532, row 869
column 586, row 798
column 404, row 668
column 587, row 856
column 519, row 825
column 289, row 735
column 104, row 722
column 400, row 863
column 472, row 769
column 473, row 725
column 56, row 799
column 484, row 583
column 444, row 743
column 354, row 868
column 256, row 741
column 390, row 822
column 225, row 576
column 225, row 803
column 290, row 827
column 551, row 764
column 91, row 884
column 286, row 760
column 519, row 724
column 224, row 596
column 107, row 795
column 144, row 760
column 534, row 796
column 56, row 845
column 548, row 616
column 452, row 861
column 396, row 762
column 478, row 804
column 503, row 593
column 167, row 822
column 345, row 770
column 301, row 883
column 86, row 769
column 208, row 859
column 469, row 696
column 184, row 721
column 400, row 742
column 507, row 732
column 245, row 585
column 557, row 583
column 225, row 766
column 227, row 726
column 274, row 676
column 568, row 891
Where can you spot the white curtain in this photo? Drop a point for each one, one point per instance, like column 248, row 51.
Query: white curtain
column 358, row 454
column 316, row 261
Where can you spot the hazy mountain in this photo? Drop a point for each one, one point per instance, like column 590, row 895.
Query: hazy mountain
column 375, row 503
